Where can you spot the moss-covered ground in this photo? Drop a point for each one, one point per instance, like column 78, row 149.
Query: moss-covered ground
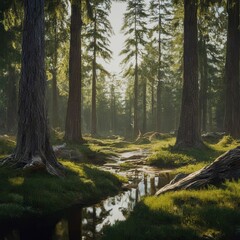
column 27, row 194
column 211, row 213
column 204, row 214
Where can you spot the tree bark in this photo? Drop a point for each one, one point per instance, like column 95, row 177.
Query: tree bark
column 144, row 127
column 188, row 132
column 203, row 85
column 159, row 85
column 136, row 127
column 232, row 113
column 94, row 83
column 33, row 147
column 55, row 108
column 73, row 131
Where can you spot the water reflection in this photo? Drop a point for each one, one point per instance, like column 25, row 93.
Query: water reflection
column 89, row 222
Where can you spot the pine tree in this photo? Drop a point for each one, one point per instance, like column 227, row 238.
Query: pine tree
column 97, row 34
column 188, row 132
column 134, row 28
column 33, row 147
column 232, row 117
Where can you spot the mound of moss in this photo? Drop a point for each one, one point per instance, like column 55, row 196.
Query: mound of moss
column 25, row 194
column 206, row 214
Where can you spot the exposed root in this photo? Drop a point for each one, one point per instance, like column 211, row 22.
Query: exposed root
column 225, row 167
column 36, row 163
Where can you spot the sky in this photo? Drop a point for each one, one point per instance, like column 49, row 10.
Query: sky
column 117, row 40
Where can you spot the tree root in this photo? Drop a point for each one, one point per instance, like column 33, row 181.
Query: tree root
column 225, row 167
column 36, row 163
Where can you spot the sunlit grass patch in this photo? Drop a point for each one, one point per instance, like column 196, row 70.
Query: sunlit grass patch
column 26, row 194
column 166, row 156
column 192, row 214
column 7, row 144
column 167, row 159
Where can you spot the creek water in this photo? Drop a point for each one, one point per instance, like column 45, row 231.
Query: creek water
column 143, row 181
column 88, row 222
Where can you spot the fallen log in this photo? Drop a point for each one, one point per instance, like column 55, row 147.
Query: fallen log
column 225, row 167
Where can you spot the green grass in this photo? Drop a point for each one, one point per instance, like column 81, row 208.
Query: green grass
column 166, row 156
column 183, row 215
column 30, row 194
column 7, row 145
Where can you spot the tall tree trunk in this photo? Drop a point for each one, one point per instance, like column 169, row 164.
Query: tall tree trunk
column 136, row 127
column 33, row 147
column 232, row 111
column 55, row 109
column 159, row 87
column 11, row 116
column 73, row 131
column 152, row 105
column 188, row 132
column 203, row 85
column 94, row 83
column 113, row 110
column 144, row 127
column 205, row 88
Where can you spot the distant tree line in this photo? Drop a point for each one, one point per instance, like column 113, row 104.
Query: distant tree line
column 180, row 68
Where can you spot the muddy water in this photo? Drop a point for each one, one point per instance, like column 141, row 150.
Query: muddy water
column 144, row 181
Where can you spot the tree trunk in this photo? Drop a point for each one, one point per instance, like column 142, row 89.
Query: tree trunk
column 136, row 127
column 159, row 107
column 113, row 110
column 11, row 117
column 33, row 148
column 55, row 111
column 152, row 105
column 188, row 132
column 159, row 85
column 203, row 85
column 94, row 83
column 144, row 127
column 73, row 121
column 225, row 167
column 232, row 113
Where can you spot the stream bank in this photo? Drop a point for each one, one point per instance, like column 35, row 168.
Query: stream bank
column 88, row 222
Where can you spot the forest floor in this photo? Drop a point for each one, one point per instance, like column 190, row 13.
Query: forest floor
column 24, row 195
column 211, row 213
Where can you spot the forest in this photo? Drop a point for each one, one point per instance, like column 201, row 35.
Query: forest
column 119, row 119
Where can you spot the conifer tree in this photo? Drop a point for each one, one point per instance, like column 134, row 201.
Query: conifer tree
column 134, row 28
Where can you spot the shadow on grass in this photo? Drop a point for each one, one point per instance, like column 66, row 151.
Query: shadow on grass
column 145, row 224
column 25, row 196
column 207, row 214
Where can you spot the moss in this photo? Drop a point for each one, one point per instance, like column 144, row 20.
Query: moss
column 7, row 144
column 25, row 194
column 184, row 215
column 226, row 141
column 166, row 156
column 167, row 159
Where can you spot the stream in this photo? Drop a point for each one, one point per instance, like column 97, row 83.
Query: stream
column 143, row 181
column 88, row 222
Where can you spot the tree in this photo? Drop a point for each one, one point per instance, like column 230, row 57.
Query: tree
column 33, row 146
column 97, row 35
column 10, row 31
column 73, row 131
column 232, row 114
column 134, row 28
column 188, row 132
column 56, row 35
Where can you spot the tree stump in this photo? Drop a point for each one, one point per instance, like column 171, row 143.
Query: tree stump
column 225, row 167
